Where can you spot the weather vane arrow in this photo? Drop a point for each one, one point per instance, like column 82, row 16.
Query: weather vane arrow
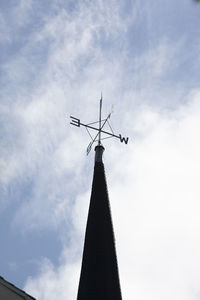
column 98, row 138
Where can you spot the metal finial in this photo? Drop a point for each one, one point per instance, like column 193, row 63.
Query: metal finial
column 99, row 149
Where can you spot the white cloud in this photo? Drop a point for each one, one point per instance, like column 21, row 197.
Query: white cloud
column 156, row 206
column 154, row 194
column 53, row 281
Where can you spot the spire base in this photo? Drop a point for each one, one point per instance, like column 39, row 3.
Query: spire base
column 99, row 149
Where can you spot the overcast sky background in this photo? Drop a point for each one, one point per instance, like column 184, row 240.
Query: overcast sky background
column 56, row 58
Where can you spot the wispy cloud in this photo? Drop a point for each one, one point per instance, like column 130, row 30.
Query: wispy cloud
column 4, row 34
column 59, row 70
column 53, row 281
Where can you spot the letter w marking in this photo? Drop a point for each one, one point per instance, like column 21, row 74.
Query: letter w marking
column 123, row 139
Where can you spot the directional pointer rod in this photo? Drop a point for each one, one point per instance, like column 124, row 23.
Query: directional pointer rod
column 76, row 122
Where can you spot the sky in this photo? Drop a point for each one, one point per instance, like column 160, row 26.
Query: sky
column 56, row 59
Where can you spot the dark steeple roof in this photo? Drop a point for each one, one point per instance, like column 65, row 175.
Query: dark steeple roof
column 99, row 278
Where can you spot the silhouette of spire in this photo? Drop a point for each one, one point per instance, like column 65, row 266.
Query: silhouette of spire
column 99, row 279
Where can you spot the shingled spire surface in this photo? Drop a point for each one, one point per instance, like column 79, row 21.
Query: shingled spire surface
column 99, row 279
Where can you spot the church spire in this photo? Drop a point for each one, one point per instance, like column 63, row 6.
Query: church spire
column 99, row 279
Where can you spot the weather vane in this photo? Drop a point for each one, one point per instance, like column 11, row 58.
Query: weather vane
column 98, row 138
